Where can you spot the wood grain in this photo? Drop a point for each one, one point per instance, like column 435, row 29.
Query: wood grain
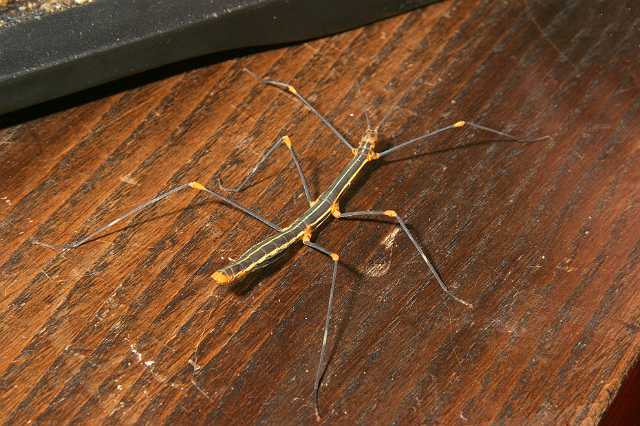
column 542, row 238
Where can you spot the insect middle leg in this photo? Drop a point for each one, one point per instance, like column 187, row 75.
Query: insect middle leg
column 162, row 196
column 392, row 214
column 263, row 159
column 323, row 351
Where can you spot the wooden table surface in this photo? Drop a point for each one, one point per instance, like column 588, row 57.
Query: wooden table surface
column 542, row 238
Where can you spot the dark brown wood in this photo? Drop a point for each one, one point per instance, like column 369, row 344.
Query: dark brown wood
column 541, row 238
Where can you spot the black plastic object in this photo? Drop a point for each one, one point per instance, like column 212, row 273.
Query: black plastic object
column 109, row 39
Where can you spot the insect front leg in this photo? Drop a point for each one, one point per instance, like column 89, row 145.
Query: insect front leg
column 292, row 90
column 458, row 125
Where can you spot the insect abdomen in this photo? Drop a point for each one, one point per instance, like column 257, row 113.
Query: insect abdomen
column 256, row 256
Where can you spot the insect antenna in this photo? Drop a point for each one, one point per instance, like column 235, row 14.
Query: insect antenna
column 366, row 117
column 387, row 115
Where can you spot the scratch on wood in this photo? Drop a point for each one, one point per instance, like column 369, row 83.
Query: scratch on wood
column 149, row 366
column 381, row 268
column 195, row 365
column 565, row 266
column 390, row 238
column 199, row 389
column 128, row 179
column 546, row 38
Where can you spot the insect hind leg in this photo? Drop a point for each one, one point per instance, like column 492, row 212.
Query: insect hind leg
column 191, row 185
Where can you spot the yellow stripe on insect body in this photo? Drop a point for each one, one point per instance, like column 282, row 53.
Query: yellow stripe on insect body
column 222, row 278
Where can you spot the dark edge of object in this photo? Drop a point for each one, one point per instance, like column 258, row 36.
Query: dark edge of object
column 109, row 39
column 624, row 408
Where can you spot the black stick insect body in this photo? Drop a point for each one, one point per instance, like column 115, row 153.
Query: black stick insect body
column 320, row 209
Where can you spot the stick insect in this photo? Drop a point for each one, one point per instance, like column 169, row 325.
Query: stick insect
column 320, row 209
